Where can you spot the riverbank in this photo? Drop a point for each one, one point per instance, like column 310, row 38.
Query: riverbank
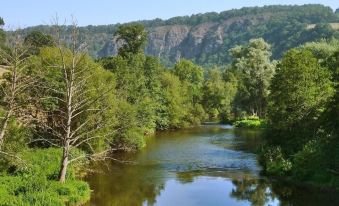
column 30, row 180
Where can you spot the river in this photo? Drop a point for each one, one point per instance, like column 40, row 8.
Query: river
column 208, row 165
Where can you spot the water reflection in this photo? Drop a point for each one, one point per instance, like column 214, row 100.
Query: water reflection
column 257, row 192
column 209, row 165
column 119, row 184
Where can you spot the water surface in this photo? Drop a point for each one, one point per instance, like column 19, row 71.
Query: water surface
column 207, row 165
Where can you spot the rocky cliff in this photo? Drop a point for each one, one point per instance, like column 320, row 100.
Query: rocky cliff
column 207, row 41
column 206, row 38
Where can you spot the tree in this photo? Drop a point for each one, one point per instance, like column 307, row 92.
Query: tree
column 218, row 94
column 14, row 83
column 192, row 77
column 172, row 108
column 138, row 89
column 299, row 92
column 322, row 49
column 252, row 64
column 329, row 120
column 36, row 39
column 78, row 95
column 132, row 38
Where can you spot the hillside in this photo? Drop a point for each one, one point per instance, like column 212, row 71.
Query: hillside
column 206, row 38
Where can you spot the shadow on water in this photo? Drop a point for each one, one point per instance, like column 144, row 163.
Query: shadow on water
column 207, row 165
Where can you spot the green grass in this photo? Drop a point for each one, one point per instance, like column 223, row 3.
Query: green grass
column 34, row 183
column 250, row 122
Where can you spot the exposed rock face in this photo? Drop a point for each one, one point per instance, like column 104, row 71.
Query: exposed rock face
column 165, row 40
column 182, row 41
column 206, row 38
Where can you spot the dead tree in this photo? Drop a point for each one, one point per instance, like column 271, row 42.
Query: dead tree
column 80, row 118
column 14, row 82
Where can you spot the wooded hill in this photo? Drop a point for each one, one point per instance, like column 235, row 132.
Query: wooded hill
column 206, row 38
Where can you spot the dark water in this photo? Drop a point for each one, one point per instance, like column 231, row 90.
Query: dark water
column 210, row 165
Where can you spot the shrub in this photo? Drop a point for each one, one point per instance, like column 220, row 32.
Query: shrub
column 34, row 183
column 305, row 161
column 275, row 163
column 250, row 122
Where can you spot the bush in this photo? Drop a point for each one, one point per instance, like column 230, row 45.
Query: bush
column 250, row 122
column 275, row 163
column 34, row 183
column 305, row 161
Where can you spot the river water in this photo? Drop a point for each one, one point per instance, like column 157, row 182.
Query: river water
column 210, row 165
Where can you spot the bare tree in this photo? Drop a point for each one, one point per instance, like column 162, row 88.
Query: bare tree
column 80, row 119
column 14, row 82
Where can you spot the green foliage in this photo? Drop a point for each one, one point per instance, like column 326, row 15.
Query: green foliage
column 191, row 78
column 250, row 122
column 254, row 69
column 218, row 94
column 49, row 97
column 306, row 161
column 322, row 49
column 172, row 111
column 299, row 92
column 132, row 37
column 137, row 88
column 19, row 136
column 275, row 162
column 192, row 75
column 152, row 98
column 36, row 40
column 31, row 181
column 130, row 135
column 303, row 113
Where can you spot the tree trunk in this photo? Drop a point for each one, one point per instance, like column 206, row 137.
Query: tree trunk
column 66, row 145
column 4, row 127
column 64, row 164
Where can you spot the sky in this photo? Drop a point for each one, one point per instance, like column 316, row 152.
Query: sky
column 24, row 13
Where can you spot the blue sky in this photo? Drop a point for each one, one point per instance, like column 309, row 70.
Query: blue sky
column 23, row 13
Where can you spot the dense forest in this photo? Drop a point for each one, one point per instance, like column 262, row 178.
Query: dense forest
column 62, row 107
column 204, row 38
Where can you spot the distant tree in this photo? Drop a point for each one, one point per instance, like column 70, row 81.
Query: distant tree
column 218, row 95
column 320, row 31
column 132, row 38
column 173, row 97
column 36, row 39
column 192, row 78
column 191, row 74
column 252, row 63
column 322, row 49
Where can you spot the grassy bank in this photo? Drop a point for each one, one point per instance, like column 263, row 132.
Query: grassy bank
column 32, row 181
column 250, row 122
